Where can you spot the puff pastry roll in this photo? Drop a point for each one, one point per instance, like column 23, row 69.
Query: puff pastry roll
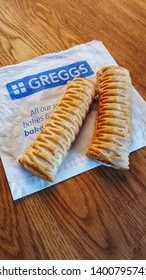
column 47, row 151
column 112, row 135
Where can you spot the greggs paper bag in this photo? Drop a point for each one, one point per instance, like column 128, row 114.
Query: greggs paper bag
column 29, row 93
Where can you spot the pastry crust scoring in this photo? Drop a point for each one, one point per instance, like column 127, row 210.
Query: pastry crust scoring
column 112, row 135
column 46, row 153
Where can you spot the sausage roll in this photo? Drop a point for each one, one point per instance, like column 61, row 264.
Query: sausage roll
column 47, row 151
column 112, row 135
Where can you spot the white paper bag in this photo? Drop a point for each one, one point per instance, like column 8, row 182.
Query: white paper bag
column 29, row 93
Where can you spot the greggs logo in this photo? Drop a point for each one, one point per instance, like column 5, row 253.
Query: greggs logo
column 48, row 79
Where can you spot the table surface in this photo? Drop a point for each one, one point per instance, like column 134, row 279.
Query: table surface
column 100, row 214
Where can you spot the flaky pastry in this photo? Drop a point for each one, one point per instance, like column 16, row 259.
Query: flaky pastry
column 112, row 135
column 47, row 151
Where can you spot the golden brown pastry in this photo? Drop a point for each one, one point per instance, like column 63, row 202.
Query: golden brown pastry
column 112, row 135
column 47, row 151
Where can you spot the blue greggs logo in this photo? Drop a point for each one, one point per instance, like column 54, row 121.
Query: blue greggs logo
column 48, row 79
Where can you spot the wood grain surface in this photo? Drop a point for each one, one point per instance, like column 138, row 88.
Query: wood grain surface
column 100, row 214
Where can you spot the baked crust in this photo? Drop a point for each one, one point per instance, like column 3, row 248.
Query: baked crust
column 112, row 135
column 46, row 153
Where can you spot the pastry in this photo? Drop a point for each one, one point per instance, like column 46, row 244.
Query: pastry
column 46, row 153
column 112, row 135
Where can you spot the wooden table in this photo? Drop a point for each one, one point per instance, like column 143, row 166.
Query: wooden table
column 100, row 214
